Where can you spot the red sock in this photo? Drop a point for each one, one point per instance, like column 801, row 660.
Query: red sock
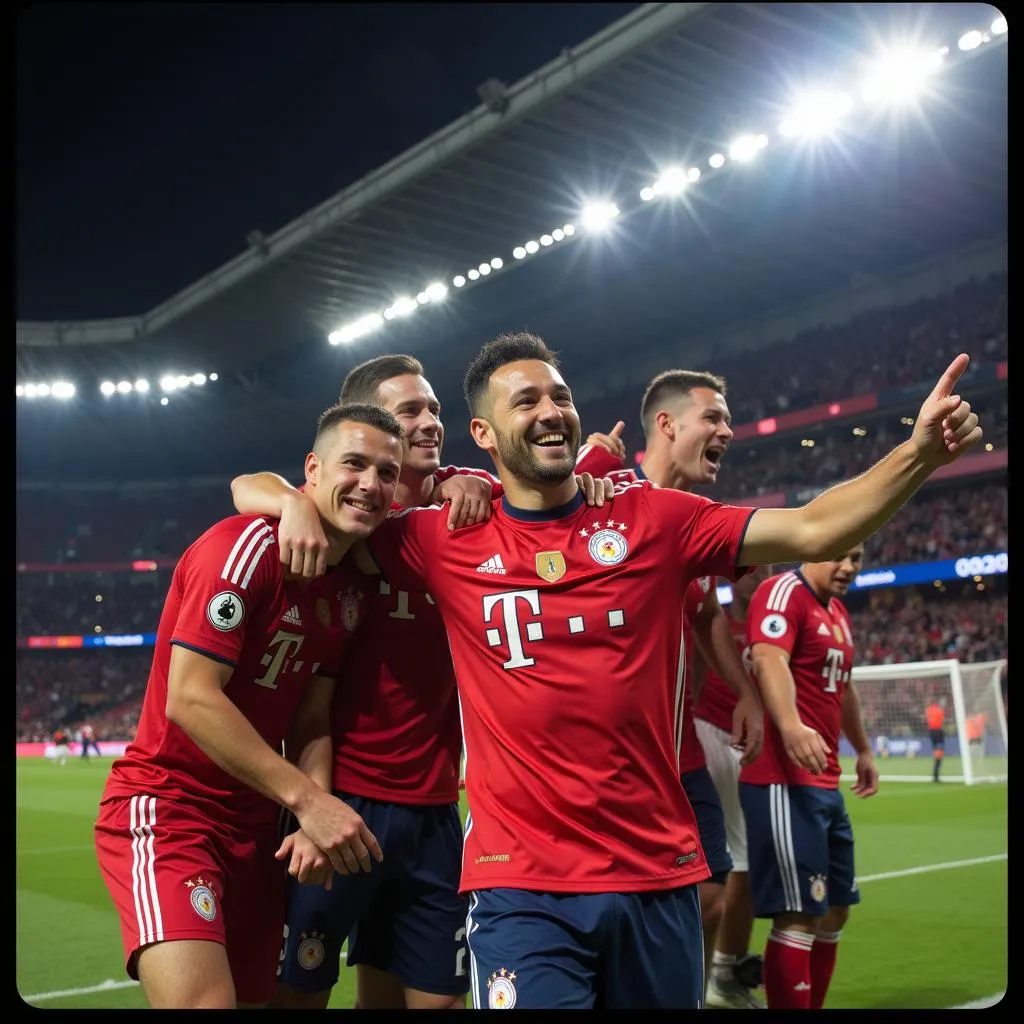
column 823, row 963
column 787, row 970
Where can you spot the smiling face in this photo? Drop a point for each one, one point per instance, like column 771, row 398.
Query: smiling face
column 352, row 478
column 533, row 429
column 701, row 434
column 410, row 398
column 834, row 577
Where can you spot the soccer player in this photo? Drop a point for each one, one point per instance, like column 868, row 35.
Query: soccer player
column 397, row 741
column 245, row 657
column 799, row 834
column 88, row 741
column 935, row 716
column 686, row 420
column 581, row 850
column 714, row 711
column 61, row 745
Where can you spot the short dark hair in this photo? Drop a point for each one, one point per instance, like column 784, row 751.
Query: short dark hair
column 362, row 381
column 504, row 349
column 672, row 385
column 356, row 412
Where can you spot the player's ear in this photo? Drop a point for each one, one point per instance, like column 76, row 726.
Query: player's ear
column 312, row 469
column 482, row 434
column 666, row 425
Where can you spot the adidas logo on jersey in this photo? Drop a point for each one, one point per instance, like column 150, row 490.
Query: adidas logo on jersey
column 493, row 566
column 292, row 616
column 823, row 629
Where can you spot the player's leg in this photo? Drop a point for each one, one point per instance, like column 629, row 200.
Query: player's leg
column 164, row 873
column 707, row 808
column 645, row 926
column 938, row 752
column 319, row 920
column 842, row 893
column 732, row 939
column 412, row 950
column 535, row 950
column 788, row 852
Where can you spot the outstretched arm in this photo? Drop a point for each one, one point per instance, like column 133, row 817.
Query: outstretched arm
column 844, row 515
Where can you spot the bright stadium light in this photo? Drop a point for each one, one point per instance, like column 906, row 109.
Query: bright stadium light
column 168, row 383
column 497, row 263
column 558, row 234
column 43, row 390
column 531, row 247
column 693, row 174
column 19, row 390
column 998, row 27
column 484, row 268
column 816, row 115
column 970, row 41
column 108, row 387
column 569, row 229
column 671, row 182
column 458, row 280
column 182, row 380
column 745, row 147
column 404, row 306
column 356, row 329
column 899, row 75
column 124, row 387
column 213, row 377
column 30, row 391
column 199, row 379
column 63, row 389
column 598, row 216
column 436, row 291
column 716, row 160
column 546, row 240
column 142, row 385
column 473, row 275
column 422, row 299
column 164, row 400
column 519, row 253
column 647, row 193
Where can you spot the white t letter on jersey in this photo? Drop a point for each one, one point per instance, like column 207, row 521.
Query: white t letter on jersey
column 282, row 645
column 517, row 656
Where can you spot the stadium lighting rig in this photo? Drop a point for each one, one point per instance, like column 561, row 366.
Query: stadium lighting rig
column 61, row 389
column 893, row 77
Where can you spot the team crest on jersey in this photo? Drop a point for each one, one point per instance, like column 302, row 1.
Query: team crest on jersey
column 550, row 565
column 311, row 951
column 204, row 903
column 501, row 990
column 350, row 609
column 225, row 611
column 819, row 890
column 323, row 612
column 774, row 626
column 608, row 547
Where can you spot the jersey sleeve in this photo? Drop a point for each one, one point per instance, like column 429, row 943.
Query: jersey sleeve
column 407, row 546
column 705, row 535
column 771, row 621
column 596, row 461
column 225, row 576
column 447, row 472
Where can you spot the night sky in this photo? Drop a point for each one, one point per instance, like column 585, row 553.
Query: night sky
column 152, row 137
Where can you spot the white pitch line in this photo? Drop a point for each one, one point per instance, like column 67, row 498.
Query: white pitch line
column 110, row 984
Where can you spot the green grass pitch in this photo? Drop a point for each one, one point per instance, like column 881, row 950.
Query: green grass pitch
column 931, row 930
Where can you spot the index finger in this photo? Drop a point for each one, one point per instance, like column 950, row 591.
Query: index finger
column 371, row 842
column 617, row 430
column 953, row 373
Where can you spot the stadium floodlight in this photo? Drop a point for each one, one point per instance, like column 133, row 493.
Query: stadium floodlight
column 531, row 247
column 422, row 298
column 546, row 240
column 19, row 390
column 671, row 182
column 436, row 291
column 458, row 280
column 389, row 314
column 182, row 380
column 108, row 387
column 998, row 27
column 199, row 379
column 124, row 387
column 745, row 147
column 403, row 306
column 598, row 216
column 693, row 174
column 349, row 332
column 484, row 268
column 569, row 229
column 473, row 275
column 213, row 376
column 164, row 400
column 817, row 114
column 30, row 391
column 647, row 193
column 716, row 160
column 168, row 383
column 43, row 390
column 142, row 385
column 899, row 75
column 497, row 263
column 970, row 41
column 519, row 252
column 558, row 234
column 63, row 389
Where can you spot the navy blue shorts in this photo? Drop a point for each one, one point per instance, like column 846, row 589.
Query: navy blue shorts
column 406, row 916
column 707, row 806
column 800, row 847
column 581, row 951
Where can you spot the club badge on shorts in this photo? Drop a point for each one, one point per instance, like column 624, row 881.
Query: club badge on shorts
column 501, row 990
column 819, row 890
column 311, row 951
column 204, row 903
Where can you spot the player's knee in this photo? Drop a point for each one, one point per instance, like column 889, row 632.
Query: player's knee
column 712, row 903
column 834, row 920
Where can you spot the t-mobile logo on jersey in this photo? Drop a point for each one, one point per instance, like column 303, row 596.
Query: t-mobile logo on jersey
column 534, row 627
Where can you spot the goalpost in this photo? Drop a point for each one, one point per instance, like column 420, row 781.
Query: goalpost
column 894, row 698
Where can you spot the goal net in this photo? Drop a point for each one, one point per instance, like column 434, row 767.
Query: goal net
column 894, row 699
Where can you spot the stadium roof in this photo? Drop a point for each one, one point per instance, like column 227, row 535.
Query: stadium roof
column 669, row 83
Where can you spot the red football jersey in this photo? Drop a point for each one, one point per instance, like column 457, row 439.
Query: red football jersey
column 229, row 600
column 785, row 612
column 717, row 700
column 566, row 634
column 395, row 721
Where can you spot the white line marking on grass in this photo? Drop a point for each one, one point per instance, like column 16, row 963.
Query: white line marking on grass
column 980, row 1004
column 103, row 986
column 927, row 868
